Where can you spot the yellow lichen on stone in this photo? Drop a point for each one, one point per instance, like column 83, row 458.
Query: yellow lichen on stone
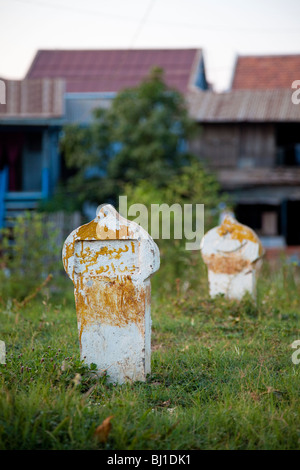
column 238, row 232
column 87, row 231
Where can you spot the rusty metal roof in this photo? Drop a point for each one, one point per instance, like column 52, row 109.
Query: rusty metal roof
column 113, row 70
column 244, row 106
column 266, row 72
column 41, row 98
column 259, row 177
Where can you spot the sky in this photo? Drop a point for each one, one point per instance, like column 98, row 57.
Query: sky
column 222, row 28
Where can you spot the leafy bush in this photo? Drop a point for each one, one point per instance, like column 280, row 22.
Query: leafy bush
column 28, row 255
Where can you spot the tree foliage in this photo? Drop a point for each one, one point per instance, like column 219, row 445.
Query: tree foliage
column 140, row 137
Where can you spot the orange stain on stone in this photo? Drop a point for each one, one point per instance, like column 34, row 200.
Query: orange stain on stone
column 110, row 302
column 94, row 231
column 238, row 232
column 86, row 256
column 100, row 298
column 223, row 264
column 69, row 253
column 105, row 233
column 87, row 231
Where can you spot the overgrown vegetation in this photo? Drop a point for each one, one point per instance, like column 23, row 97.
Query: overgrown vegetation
column 222, row 372
column 28, row 255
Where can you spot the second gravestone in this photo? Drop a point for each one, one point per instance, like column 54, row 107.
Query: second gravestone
column 110, row 261
column 232, row 253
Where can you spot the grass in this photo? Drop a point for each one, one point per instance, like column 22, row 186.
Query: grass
column 222, row 373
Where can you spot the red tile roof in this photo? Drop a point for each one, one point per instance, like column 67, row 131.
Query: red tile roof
column 112, row 70
column 266, row 72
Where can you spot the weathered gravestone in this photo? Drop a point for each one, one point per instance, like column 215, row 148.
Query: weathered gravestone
column 2, row 352
column 232, row 253
column 110, row 261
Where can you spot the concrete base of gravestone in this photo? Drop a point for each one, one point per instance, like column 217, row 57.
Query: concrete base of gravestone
column 232, row 253
column 110, row 261
column 114, row 327
column 122, row 351
column 232, row 286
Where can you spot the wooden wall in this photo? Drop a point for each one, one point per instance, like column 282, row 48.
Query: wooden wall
column 236, row 145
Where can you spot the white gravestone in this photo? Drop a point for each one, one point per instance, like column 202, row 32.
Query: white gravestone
column 232, row 253
column 110, row 261
column 2, row 352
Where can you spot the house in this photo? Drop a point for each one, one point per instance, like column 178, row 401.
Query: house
column 94, row 77
column 265, row 72
column 250, row 136
column 30, row 122
column 64, row 86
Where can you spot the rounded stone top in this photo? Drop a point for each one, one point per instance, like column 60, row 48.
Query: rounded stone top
column 231, row 238
column 110, row 226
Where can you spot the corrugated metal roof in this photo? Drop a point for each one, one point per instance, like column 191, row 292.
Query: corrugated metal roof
column 244, row 106
column 266, row 72
column 113, row 70
column 33, row 98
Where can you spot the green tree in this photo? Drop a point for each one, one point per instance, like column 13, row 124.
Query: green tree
column 135, row 148
column 140, row 137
